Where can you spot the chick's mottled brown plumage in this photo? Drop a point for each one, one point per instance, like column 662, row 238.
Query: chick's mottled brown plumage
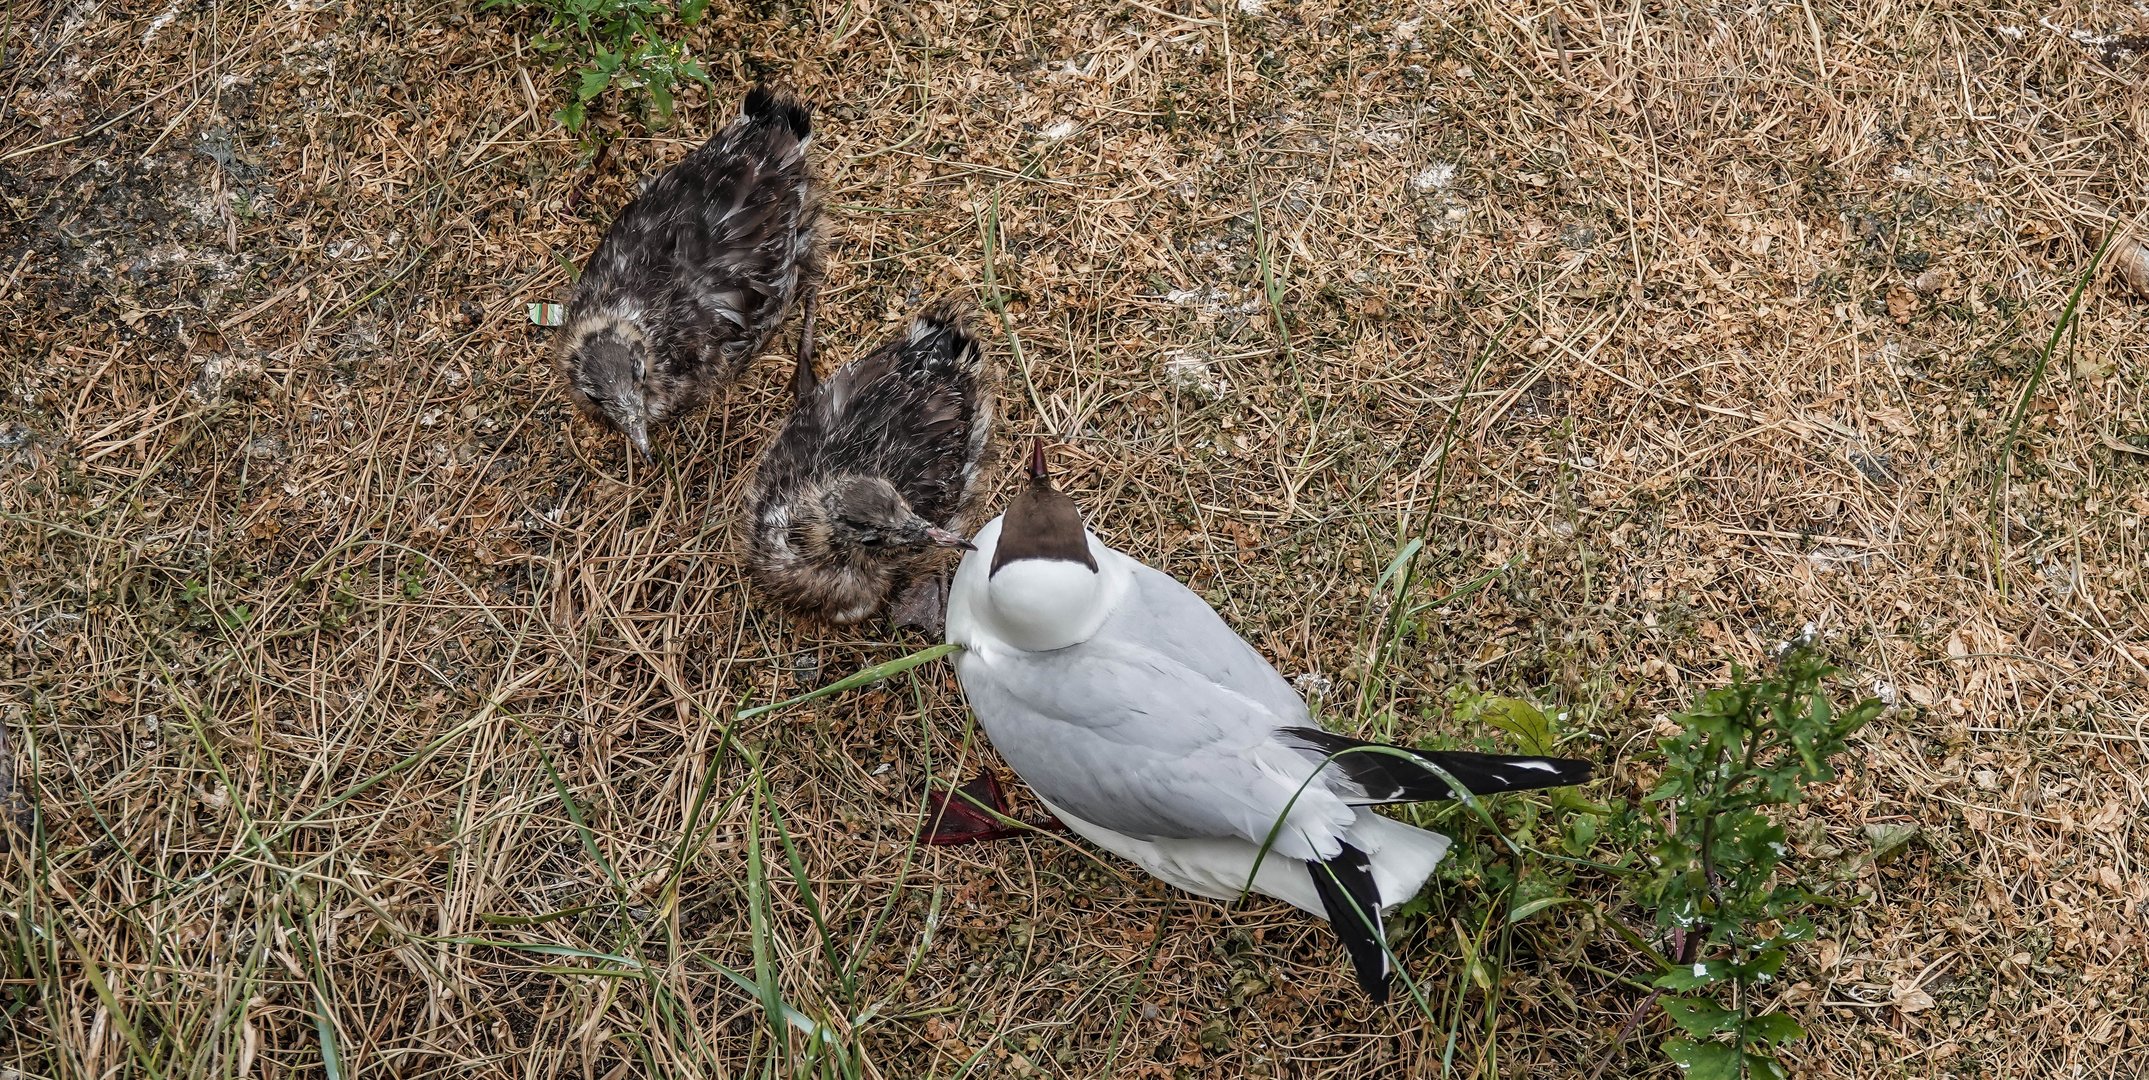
column 695, row 274
column 875, row 467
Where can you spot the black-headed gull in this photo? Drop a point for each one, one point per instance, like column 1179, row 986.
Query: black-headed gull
column 1157, row 733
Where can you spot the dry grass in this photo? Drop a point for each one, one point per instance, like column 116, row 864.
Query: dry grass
column 374, row 707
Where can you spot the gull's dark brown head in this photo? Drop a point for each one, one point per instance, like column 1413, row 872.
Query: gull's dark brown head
column 1042, row 523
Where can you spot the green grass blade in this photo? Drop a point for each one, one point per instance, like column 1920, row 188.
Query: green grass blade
column 757, row 919
column 2004, row 471
column 867, row 677
column 325, row 1029
column 797, row 866
column 996, row 299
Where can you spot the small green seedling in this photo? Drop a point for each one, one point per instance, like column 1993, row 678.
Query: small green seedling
column 628, row 47
column 1715, row 854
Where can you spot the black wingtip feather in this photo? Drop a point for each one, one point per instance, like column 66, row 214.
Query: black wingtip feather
column 1387, row 777
column 766, row 106
column 1352, row 901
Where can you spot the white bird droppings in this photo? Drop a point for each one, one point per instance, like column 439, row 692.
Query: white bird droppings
column 157, row 25
column 1436, row 177
column 1195, row 373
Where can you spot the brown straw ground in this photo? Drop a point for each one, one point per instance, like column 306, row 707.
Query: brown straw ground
column 377, row 713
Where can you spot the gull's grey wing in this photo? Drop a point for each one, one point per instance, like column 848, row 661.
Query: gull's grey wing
column 1161, row 614
column 1135, row 741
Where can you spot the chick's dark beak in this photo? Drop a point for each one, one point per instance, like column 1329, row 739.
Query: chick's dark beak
column 944, row 538
column 638, row 435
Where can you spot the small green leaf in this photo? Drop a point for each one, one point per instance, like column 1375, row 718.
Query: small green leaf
column 594, row 81
column 1672, row 787
column 1756, row 840
column 1763, row 966
column 1765, row 1067
column 1859, row 717
column 1703, row 1061
column 1700, row 1017
column 1413, row 908
column 570, row 116
column 1694, row 977
column 1526, row 722
column 691, row 11
column 1482, row 972
column 1567, row 798
column 1887, row 839
column 1775, row 1029
column 1524, row 911
column 1395, row 565
column 1581, row 833
column 867, row 677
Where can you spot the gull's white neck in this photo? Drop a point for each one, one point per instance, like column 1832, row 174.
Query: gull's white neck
column 1034, row 605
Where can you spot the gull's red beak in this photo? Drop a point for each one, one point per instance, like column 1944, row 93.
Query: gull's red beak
column 1038, row 471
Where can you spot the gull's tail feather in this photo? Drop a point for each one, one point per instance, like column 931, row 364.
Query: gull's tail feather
column 1345, row 884
column 1381, row 863
column 1386, row 777
column 1403, row 855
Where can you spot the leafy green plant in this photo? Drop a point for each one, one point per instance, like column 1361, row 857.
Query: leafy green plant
column 1715, row 857
column 1704, row 854
column 1518, row 860
column 616, row 45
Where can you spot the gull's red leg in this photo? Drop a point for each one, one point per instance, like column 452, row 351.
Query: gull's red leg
column 951, row 819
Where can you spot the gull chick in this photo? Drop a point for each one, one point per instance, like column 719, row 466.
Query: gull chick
column 1155, row 732
column 874, row 469
column 695, row 274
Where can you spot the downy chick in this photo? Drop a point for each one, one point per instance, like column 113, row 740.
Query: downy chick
column 695, row 274
column 874, row 469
